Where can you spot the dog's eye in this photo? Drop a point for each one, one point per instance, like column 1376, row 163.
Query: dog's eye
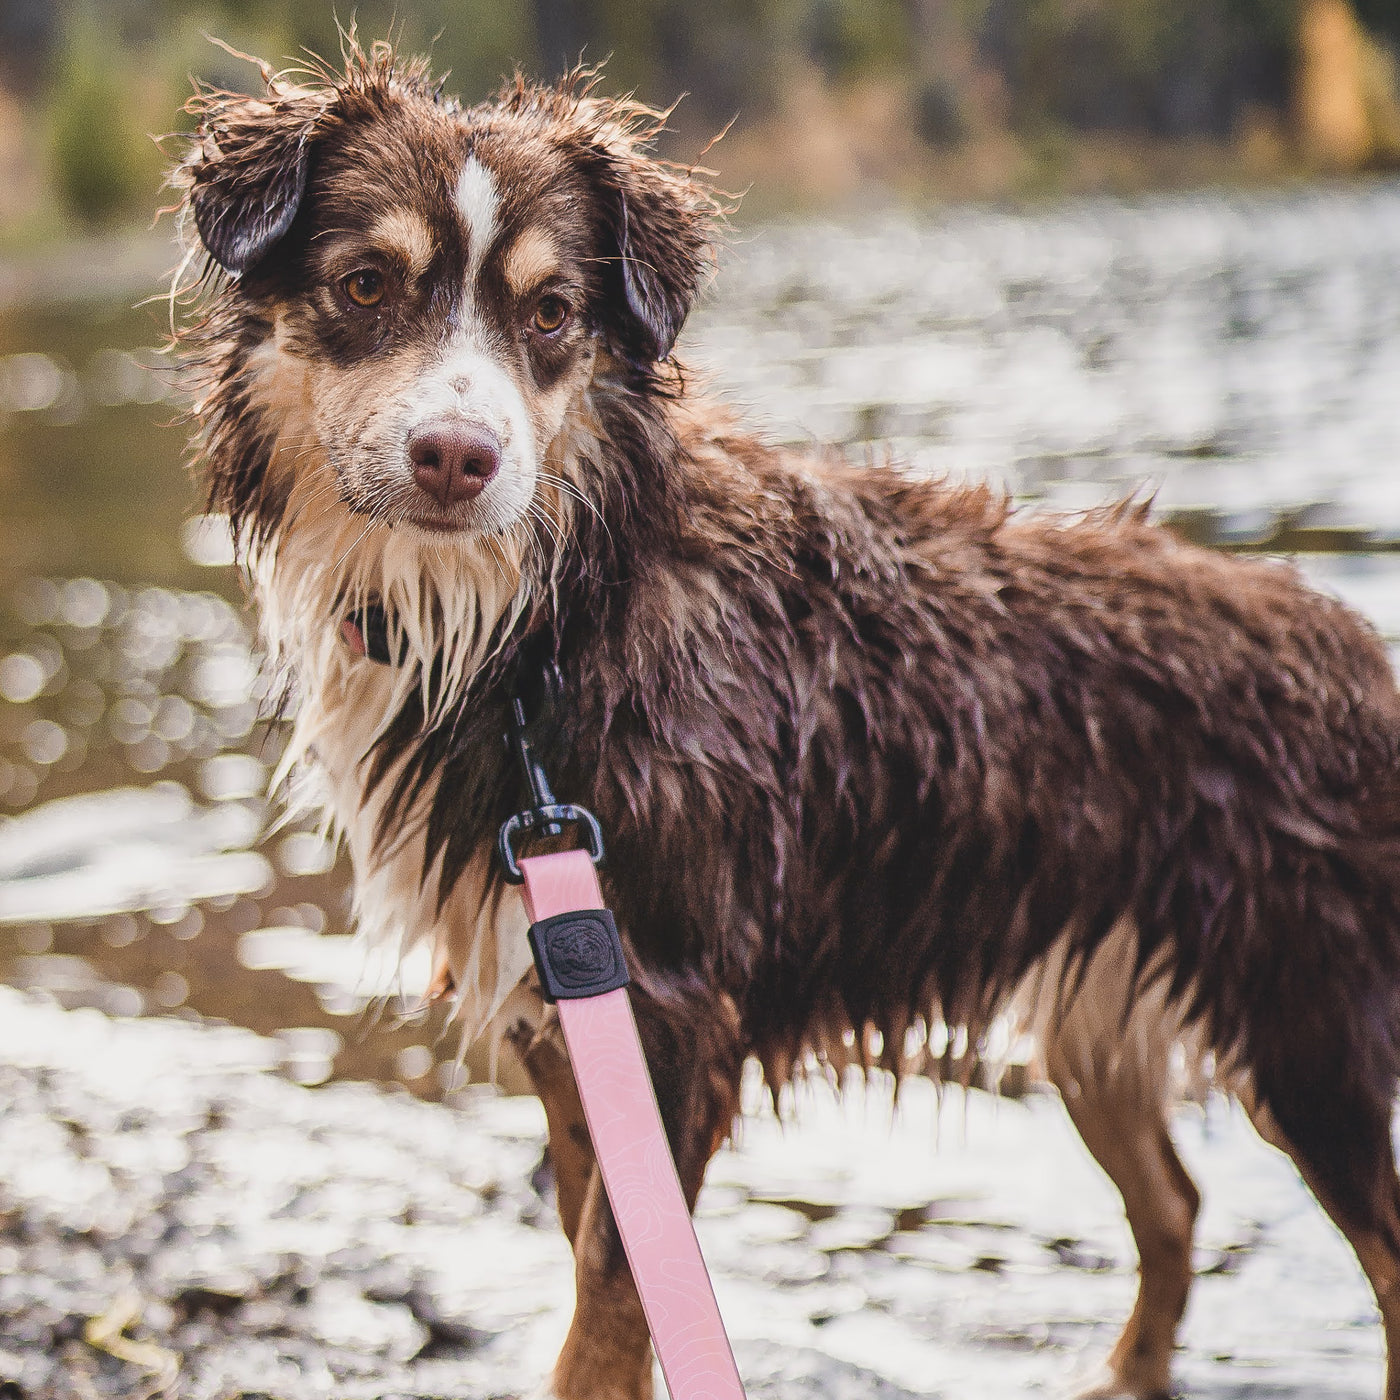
column 365, row 287
column 550, row 314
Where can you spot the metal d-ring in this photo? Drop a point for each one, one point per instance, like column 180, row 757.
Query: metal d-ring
column 548, row 820
column 546, row 816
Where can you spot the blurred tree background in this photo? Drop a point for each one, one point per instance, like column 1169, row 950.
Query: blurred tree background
column 833, row 98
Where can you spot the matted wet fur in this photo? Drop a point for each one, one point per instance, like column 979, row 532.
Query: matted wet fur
column 872, row 753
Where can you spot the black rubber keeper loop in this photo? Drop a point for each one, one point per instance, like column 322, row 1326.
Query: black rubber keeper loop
column 578, row 954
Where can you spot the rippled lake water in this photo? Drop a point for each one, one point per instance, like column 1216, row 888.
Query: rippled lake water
column 1241, row 358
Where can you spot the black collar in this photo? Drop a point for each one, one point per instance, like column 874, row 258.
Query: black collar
column 365, row 631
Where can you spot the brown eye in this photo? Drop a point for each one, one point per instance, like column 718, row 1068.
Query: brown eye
column 365, row 287
column 550, row 314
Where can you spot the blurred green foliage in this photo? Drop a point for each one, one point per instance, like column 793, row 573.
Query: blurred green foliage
column 112, row 70
column 103, row 162
column 1188, row 68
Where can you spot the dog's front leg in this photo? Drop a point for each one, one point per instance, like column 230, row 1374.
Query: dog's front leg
column 538, row 1039
column 607, row 1354
column 608, row 1350
column 695, row 1063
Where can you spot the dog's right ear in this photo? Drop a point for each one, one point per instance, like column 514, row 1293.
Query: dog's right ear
column 246, row 173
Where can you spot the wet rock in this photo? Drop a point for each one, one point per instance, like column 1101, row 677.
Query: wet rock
column 446, row 1335
column 777, row 1373
column 197, row 1300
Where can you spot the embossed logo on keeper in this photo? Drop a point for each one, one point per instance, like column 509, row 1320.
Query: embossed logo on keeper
column 581, row 952
column 578, row 954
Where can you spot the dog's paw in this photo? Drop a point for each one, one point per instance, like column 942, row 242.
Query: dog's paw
column 1106, row 1384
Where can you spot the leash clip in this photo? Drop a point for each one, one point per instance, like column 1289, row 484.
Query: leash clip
column 546, row 815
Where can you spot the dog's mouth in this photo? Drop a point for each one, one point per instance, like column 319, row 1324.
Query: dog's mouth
column 457, row 518
column 365, row 630
column 443, row 524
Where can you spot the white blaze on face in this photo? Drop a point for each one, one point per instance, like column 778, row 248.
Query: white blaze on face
column 469, row 382
column 477, row 203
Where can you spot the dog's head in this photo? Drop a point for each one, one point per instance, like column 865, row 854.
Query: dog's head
column 417, row 299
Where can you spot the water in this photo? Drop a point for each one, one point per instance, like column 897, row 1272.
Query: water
column 1239, row 358
column 261, row 1239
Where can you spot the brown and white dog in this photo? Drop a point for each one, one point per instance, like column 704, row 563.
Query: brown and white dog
column 872, row 753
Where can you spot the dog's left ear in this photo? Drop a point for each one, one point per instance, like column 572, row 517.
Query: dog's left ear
column 246, row 172
column 660, row 223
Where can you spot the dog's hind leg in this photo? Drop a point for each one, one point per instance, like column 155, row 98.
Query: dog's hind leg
column 1348, row 1164
column 1112, row 1074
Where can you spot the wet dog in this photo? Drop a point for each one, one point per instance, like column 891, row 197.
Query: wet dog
column 876, row 756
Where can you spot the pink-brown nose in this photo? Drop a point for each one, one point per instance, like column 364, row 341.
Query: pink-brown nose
column 452, row 461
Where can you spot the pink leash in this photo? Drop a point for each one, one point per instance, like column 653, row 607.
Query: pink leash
column 582, row 969
column 577, row 949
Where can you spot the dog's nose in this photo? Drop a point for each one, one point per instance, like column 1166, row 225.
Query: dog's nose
column 453, row 461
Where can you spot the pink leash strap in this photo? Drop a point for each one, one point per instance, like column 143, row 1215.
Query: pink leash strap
column 581, row 968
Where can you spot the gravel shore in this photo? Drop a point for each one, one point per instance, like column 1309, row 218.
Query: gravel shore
column 178, row 1219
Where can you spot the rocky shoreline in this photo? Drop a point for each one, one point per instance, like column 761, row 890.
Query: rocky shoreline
column 177, row 1219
